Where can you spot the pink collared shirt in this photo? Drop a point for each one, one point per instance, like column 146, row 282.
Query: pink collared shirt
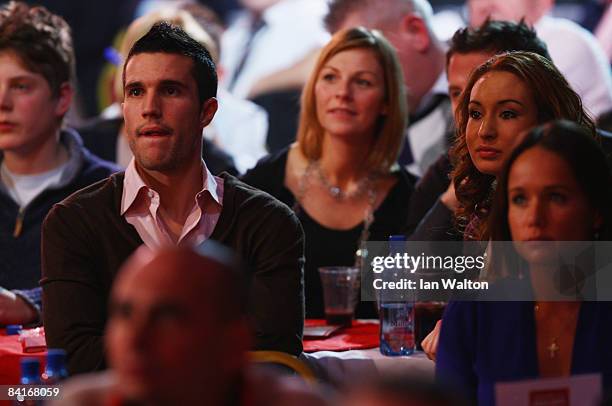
column 140, row 204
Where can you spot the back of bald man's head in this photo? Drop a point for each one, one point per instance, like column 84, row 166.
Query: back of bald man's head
column 212, row 269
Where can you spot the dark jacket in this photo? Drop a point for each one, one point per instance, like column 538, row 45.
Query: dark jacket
column 85, row 240
column 428, row 218
column 20, row 227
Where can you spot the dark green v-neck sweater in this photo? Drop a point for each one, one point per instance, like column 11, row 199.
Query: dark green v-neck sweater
column 85, row 240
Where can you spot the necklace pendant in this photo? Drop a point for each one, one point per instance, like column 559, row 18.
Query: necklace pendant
column 361, row 252
column 553, row 348
column 336, row 192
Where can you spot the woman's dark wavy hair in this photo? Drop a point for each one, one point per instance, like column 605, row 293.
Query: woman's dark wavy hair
column 586, row 160
column 554, row 99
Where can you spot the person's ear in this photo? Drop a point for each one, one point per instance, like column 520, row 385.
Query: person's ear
column 64, row 99
column 209, row 108
column 414, row 30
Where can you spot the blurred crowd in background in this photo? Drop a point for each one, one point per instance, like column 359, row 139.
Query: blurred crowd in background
column 371, row 121
column 257, row 40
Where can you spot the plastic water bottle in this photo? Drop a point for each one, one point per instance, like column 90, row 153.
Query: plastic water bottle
column 30, row 375
column 396, row 311
column 55, row 371
column 30, row 371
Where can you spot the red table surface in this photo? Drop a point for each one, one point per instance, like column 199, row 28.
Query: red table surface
column 361, row 335
column 10, row 357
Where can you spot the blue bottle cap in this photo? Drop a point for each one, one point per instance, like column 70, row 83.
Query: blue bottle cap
column 30, row 368
column 13, row 329
column 397, row 237
column 56, row 359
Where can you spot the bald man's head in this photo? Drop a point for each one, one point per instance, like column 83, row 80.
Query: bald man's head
column 177, row 322
column 509, row 10
column 213, row 269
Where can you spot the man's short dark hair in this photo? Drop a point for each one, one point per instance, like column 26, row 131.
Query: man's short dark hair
column 497, row 37
column 169, row 39
column 41, row 39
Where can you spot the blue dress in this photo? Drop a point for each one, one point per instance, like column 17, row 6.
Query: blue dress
column 482, row 343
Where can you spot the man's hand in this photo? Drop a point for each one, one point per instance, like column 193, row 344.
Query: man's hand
column 430, row 343
column 14, row 309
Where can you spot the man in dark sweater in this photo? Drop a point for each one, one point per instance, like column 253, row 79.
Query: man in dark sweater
column 40, row 164
column 167, row 196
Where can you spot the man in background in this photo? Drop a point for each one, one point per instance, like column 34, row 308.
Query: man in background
column 178, row 334
column 267, row 36
column 41, row 163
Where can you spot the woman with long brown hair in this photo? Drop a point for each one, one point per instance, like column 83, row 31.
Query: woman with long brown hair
column 505, row 96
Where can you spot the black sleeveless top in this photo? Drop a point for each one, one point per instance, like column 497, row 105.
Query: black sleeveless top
column 330, row 247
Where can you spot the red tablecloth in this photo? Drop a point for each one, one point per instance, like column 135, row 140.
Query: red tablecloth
column 360, row 335
column 10, row 356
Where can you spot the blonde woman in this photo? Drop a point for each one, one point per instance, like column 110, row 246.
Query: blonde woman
column 340, row 175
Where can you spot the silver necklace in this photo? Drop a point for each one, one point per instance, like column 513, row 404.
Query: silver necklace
column 335, row 191
column 361, row 252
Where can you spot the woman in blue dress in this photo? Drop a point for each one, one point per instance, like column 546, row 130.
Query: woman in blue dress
column 556, row 186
